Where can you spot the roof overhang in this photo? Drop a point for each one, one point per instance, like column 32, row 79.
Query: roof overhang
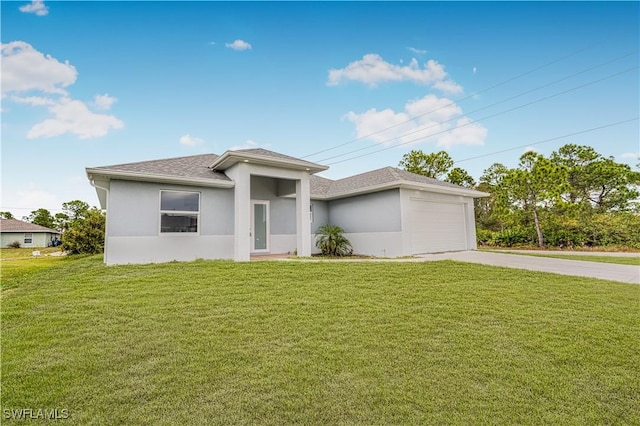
column 94, row 173
column 230, row 158
column 404, row 184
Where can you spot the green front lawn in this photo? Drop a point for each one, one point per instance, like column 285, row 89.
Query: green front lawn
column 20, row 263
column 319, row 343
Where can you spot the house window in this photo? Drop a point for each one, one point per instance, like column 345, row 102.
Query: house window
column 28, row 238
column 179, row 211
column 311, row 213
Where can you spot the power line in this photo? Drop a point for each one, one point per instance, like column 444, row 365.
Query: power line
column 484, row 118
column 593, row 129
column 479, row 109
column 509, row 80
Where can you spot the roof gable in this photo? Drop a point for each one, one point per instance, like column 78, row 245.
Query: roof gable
column 264, row 157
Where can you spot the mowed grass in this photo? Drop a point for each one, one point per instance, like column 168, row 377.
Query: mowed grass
column 619, row 260
column 17, row 263
column 320, row 343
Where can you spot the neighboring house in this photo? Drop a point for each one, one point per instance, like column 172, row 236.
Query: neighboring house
column 256, row 201
column 27, row 234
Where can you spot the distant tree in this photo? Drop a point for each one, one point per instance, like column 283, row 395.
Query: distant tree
column 489, row 214
column 75, row 209
column 61, row 221
column 434, row 165
column 533, row 187
column 41, row 217
column 6, row 215
column 460, row 177
column 86, row 234
column 596, row 181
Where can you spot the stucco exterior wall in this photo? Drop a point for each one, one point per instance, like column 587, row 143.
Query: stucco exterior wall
column 372, row 222
column 123, row 250
column 134, row 209
column 376, row 212
column 320, row 210
column 133, row 225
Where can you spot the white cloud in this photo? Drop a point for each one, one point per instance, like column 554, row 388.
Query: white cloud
column 188, row 140
column 372, row 69
column 239, row 45
column 530, row 149
column 104, row 102
column 630, row 155
column 73, row 116
column 474, row 70
column 417, row 51
column 36, row 6
column 24, row 68
column 428, row 119
column 33, row 100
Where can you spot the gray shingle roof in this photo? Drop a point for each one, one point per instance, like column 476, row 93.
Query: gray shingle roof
column 386, row 175
column 14, row 225
column 197, row 166
column 194, row 166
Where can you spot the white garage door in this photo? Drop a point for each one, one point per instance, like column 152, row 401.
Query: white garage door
column 437, row 227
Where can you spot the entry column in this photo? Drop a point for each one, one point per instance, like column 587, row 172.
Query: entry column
column 303, row 219
column 242, row 205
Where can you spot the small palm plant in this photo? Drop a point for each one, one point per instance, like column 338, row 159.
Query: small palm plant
column 331, row 241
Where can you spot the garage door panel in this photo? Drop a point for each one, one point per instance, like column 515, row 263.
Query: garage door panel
column 437, row 227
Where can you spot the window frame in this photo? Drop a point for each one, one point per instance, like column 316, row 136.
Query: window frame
column 185, row 212
column 30, row 238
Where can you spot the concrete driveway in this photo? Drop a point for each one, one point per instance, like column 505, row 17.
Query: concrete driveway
column 605, row 271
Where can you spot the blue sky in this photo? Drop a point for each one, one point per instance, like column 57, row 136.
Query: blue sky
column 97, row 83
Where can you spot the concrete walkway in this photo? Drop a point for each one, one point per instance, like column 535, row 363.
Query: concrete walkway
column 605, row 271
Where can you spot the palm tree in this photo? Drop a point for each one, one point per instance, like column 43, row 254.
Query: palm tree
column 331, row 241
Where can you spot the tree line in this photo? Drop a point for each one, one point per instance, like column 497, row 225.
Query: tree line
column 82, row 227
column 575, row 197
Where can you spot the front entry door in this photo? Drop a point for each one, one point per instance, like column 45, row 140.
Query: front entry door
column 259, row 226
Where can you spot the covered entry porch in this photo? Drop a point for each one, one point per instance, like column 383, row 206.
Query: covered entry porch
column 272, row 203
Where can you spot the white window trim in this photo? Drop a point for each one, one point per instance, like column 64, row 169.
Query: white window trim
column 160, row 212
column 24, row 240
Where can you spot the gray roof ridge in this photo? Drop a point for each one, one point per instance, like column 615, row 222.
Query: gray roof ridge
column 394, row 172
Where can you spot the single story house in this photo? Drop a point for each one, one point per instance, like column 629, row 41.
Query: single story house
column 255, row 201
column 27, row 234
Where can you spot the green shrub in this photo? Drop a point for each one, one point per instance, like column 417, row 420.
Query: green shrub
column 14, row 245
column 331, row 241
column 85, row 235
column 485, row 237
column 511, row 237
